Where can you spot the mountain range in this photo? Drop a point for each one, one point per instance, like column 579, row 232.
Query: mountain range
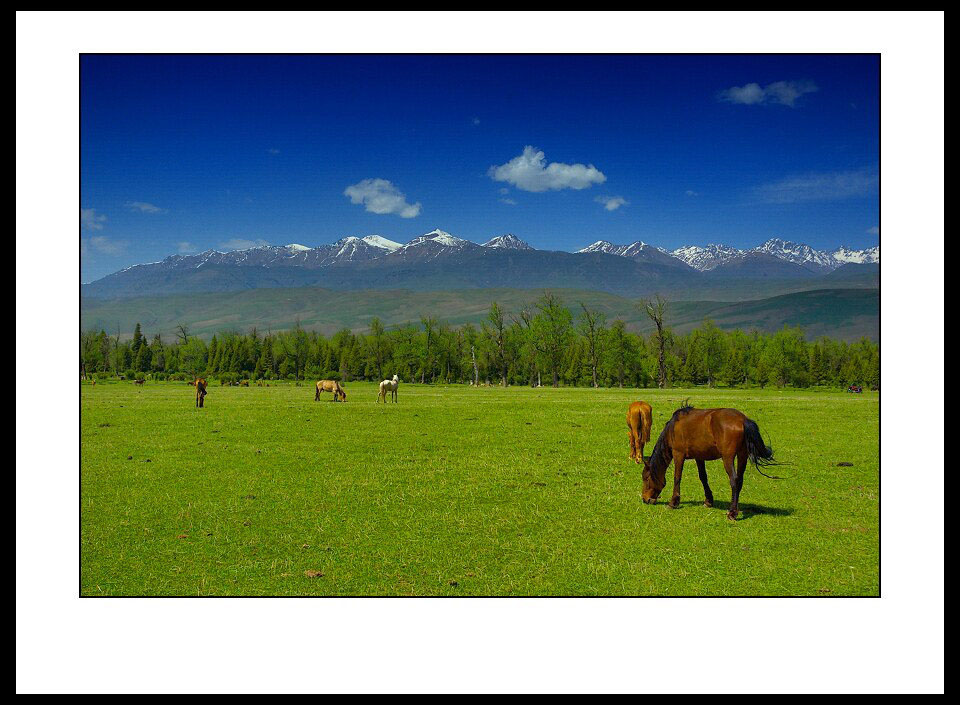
column 438, row 260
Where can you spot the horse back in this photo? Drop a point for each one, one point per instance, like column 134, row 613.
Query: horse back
column 640, row 420
column 708, row 434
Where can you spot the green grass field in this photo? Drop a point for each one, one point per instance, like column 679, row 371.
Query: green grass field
column 462, row 491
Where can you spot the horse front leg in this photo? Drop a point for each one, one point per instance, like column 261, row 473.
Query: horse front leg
column 707, row 494
column 677, row 476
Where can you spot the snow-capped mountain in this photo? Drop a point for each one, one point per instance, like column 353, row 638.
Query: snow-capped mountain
column 798, row 253
column 431, row 245
column 507, row 242
column 631, row 250
column 706, row 258
column 602, row 246
column 845, row 255
column 350, row 249
column 440, row 260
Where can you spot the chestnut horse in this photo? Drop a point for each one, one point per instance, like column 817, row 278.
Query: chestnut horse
column 330, row 385
column 201, row 384
column 701, row 435
column 639, row 421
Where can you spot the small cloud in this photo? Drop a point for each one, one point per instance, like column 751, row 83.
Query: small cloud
column 185, row 248
column 529, row 172
column 144, row 207
column 692, row 193
column 91, row 220
column 875, row 230
column 239, row 243
column 381, row 197
column 779, row 93
column 273, row 151
column 103, row 245
column 503, row 191
column 508, row 201
column 611, row 203
column 832, row 186
column 476, row 121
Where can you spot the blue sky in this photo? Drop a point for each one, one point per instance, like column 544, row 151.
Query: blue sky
column 184, row 153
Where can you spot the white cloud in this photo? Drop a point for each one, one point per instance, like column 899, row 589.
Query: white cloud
column 239, row 243
column 185, row 248
column 381, row 197
column 832, row 186
column 528, row 172
column 508, row 201
column 103, row 245
column 779, row 92
column 611, row 203
column 91, row 220
column 144, row 207
column 476, row 121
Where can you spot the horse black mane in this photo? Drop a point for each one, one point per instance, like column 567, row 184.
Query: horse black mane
column 662, row 453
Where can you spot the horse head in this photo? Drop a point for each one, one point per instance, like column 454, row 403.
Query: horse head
column 653, row 482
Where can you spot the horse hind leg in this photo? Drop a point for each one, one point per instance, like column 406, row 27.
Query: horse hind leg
column 707, row 494
column 633, row 445
column 736, row 481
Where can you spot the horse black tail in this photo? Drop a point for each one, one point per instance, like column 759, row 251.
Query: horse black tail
column 759, row 452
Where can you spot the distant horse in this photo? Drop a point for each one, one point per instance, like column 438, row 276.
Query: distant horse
column 639, row 421
column 388, row 385
column 139, row 382
column 245, row 383
column 701, row 435
column 201, row 384
column 330, row 385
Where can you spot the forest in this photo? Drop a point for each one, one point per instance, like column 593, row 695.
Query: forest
column 546, row 343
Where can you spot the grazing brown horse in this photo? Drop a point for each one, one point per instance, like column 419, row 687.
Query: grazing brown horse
column 701, row 435
column 330, row 385
column 639, row 421
column 201, row 384
column 139, row 382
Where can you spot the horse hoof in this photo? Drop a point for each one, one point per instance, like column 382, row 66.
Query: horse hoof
column 671, row 505
column 708, row 504
column 731, row 517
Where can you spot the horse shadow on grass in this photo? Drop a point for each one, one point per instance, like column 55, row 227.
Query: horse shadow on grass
column 747, row 510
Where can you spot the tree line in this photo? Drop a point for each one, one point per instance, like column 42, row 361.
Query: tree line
column 546, row 343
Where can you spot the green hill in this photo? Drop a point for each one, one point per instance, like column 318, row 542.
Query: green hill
column 841, row 313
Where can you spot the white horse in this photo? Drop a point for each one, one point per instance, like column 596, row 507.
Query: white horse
column 388, row 385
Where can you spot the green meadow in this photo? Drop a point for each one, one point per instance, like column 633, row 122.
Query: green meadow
column 458, row 490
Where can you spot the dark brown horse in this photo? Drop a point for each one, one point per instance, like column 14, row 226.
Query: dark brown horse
column 201, row 384
column 701, row 435
column 639, row 421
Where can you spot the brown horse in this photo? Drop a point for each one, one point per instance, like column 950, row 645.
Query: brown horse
column 330, row 385
column 201, row 384
column 139, row 382
column 701, row 435
column 639, row 421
